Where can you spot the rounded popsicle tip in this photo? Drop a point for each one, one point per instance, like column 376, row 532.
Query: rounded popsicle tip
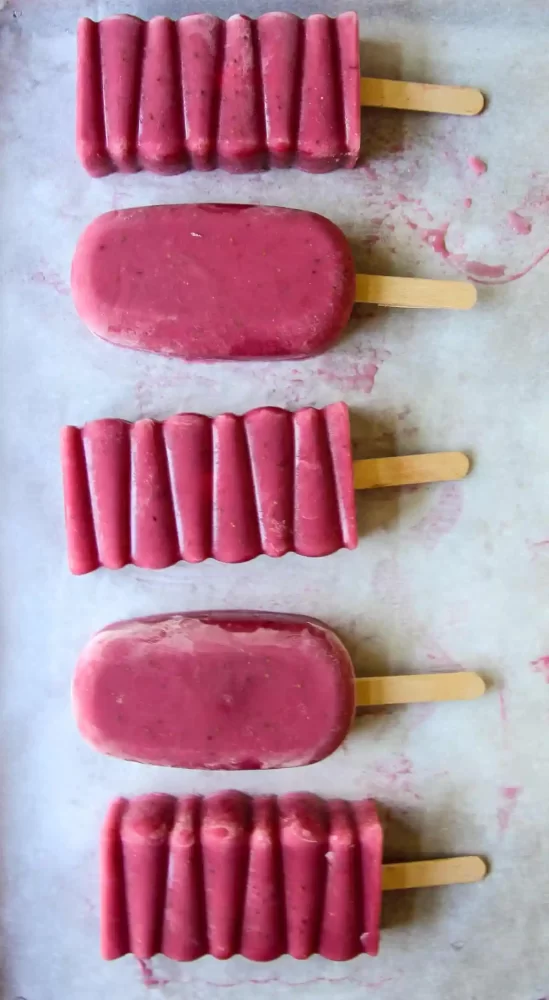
column 475, row 102
column 466, row 296
column 462, row 465
column 478, row 869
column 474, row 685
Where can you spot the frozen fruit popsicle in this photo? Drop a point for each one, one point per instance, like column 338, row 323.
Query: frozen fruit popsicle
column 229, row 488
column 230, row 282
column 241, row 94
column 232, row 690
column 260, row 876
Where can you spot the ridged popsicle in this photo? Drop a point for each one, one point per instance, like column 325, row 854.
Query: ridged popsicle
column 230, row 874
column 201, row 92
column 193, row 487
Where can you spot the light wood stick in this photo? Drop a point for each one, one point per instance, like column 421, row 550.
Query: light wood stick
column 460, row 685
column 422, row 874
column 404, row 96
column 408, row 470
column 414, row 293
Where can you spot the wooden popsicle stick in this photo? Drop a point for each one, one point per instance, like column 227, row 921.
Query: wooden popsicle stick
column 414, row 293
column 403, row 96
column 443, row 871
column 408, row 470
column 460, row 685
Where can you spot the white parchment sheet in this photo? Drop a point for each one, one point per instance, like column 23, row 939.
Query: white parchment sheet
column 445, row 576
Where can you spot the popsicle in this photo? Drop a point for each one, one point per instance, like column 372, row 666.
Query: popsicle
column 230, row 282
column 260, row 876
column 241, row 94
column 229, row 488
column 232, row 690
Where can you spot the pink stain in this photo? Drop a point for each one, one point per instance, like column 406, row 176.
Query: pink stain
column 467, row 202
column 502, row 708
column 476, row 269
column 436, row 238
column 541, row 666
column 397, row 772
column 438, row 656
column 509, row 796
column 483, row 274
column 52, row 279
column 358, row 375
column 400, row 767
column 149, row 978
column 442, row 517
column 372, row 984
column 538, row 548
column 477, row 165
column 519, row 224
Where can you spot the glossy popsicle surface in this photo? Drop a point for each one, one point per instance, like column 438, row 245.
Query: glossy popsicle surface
column 259, row 876
column 238, row 690
column 214, row 282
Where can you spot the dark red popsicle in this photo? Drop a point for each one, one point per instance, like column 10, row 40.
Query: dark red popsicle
column 231, row 874
column 200, row 92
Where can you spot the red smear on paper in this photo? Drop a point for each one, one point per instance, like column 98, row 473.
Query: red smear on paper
column 502, row 708
column 149, row 978
column 442, row 517
column 359, row 375
column 477, row 165
column 519, row 224
column 396, row 771
column 541, row 666
column 51, row 278
column 509, row 796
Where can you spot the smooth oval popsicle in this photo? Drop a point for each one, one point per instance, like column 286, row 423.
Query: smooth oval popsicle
column 215, row 282
column 215, row 690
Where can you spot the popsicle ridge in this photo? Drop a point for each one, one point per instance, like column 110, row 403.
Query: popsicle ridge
column 192, row 487
column 259, row 876
column 200, row 92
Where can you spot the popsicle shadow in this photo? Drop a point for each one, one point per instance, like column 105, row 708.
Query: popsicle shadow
column 403, row 842
column 369, row 258
column 382, row 131
column 374, row 436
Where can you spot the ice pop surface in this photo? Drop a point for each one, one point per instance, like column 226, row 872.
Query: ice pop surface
column 216, row 690
column 259, row 876
column 194, row 487
column 215, row 282
column 201, row 92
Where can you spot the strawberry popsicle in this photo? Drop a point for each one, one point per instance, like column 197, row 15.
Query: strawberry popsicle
column 230, row 282
column 229, row 488
column 241, row 94
column 259, row 876
column 232, row 690
column 233, row 874
column 199, row 93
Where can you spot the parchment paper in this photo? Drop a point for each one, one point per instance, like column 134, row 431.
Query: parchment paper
column 445, row 576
